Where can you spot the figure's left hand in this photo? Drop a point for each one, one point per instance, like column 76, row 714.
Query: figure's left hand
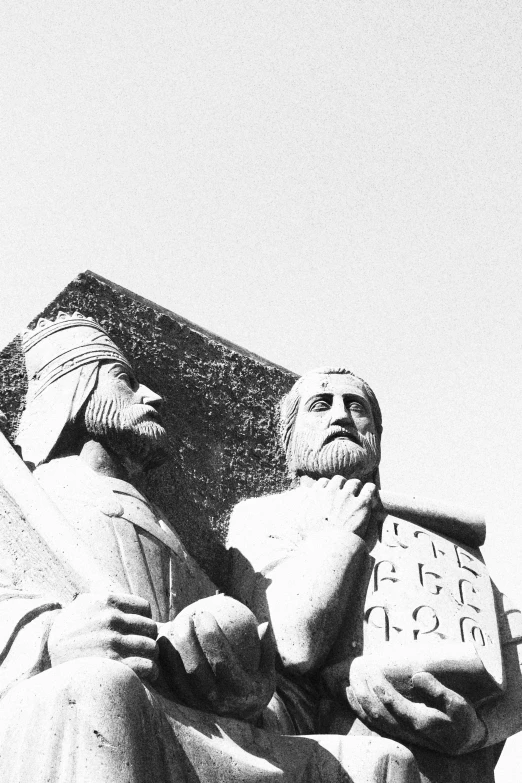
column 441, row 719
column 206, row 673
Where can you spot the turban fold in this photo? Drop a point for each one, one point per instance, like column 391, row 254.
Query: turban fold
column 62, row 359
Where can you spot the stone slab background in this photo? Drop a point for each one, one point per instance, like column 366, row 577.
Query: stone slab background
column 220, row 404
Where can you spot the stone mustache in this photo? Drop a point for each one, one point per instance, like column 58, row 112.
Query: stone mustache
column 117, row 664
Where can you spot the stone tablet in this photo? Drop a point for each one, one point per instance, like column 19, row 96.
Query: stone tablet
column 430, row 590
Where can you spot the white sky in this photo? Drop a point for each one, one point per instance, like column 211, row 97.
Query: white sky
column 320, row 182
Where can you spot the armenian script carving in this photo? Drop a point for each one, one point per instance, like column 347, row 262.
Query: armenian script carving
column 382, row 598
column 428, row 588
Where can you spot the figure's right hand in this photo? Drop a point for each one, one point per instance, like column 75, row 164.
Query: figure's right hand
column 339, row 503
column 108, row 626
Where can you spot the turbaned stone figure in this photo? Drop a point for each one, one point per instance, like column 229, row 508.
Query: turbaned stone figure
column 110, row 687
column 310, row 561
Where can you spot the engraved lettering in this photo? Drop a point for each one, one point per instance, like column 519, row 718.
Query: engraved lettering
column 465, row 588
column 464, row 559
column 384, row 572
column 422, row 535
column 428, row 580
column 426, row 619
column 472, row 632
column 391, row 534
column 377, row 618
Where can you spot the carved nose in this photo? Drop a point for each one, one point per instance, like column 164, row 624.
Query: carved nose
column 339, row 414
column 149, row 397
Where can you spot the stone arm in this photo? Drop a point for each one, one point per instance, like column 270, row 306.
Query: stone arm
column 308, row 597
column 25, row 623
column 299, row 580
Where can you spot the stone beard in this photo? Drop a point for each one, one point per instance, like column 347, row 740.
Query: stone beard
column 127, row 429
column 333, row 453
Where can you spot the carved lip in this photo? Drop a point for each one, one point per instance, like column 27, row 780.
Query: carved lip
column 150, row 414
column 155, row 416
column 341, row 434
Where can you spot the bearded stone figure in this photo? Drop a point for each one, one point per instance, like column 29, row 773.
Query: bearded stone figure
column 301, row 560
column 120, row 685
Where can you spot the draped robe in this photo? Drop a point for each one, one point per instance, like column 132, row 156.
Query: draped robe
column 264, row 532
column 92, row 719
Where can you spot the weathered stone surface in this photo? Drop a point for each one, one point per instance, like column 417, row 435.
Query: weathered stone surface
column 219, row 409
column 375, row 608
column 87, row 689
column 424, row 588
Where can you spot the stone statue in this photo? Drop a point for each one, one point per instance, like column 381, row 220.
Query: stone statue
column 348, row 631
column 130, row 681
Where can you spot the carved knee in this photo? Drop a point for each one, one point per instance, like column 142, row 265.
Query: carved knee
column 95, row 678
column 395, row 763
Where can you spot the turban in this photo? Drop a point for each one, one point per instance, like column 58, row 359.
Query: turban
column 62, row 358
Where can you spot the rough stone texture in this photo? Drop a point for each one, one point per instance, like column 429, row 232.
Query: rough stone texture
column 220, row 406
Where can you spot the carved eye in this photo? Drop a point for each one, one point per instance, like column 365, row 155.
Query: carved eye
column 129, row 380
column 356, row 407
column 319, row 405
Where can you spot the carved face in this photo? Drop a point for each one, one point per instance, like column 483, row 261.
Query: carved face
column 334, row 431
column 123, row 414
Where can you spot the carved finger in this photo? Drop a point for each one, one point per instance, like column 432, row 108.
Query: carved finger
column 134, row 645
column 126, row 602
column 426, row 722
column 134, row 623
column 174, row 674
column 375, row 709
column 451, row 723
column 220, row 655
column 365, row 496
column 368, row 491
column 439, row 696
column 322, row 483
column 183, row 636
column 352, row 487
column 370, row 703
column 143, row 667
column 336, row 483
column 354, row 704
column 268, row 649
column 185, row 640
column 389, row 711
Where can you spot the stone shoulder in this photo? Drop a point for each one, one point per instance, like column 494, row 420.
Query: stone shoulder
column 255, row 518
column 275, row 499
column 262, row 508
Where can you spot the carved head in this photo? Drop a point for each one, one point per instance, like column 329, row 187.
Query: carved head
column 124, row 415
column 331, row 424
column 80, row 380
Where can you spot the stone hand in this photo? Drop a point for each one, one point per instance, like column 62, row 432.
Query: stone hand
column 339, row 503
column 207, row 673
column 439, row 718
column 108, row 626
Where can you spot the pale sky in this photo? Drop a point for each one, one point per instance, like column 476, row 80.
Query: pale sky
column 320, row 182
